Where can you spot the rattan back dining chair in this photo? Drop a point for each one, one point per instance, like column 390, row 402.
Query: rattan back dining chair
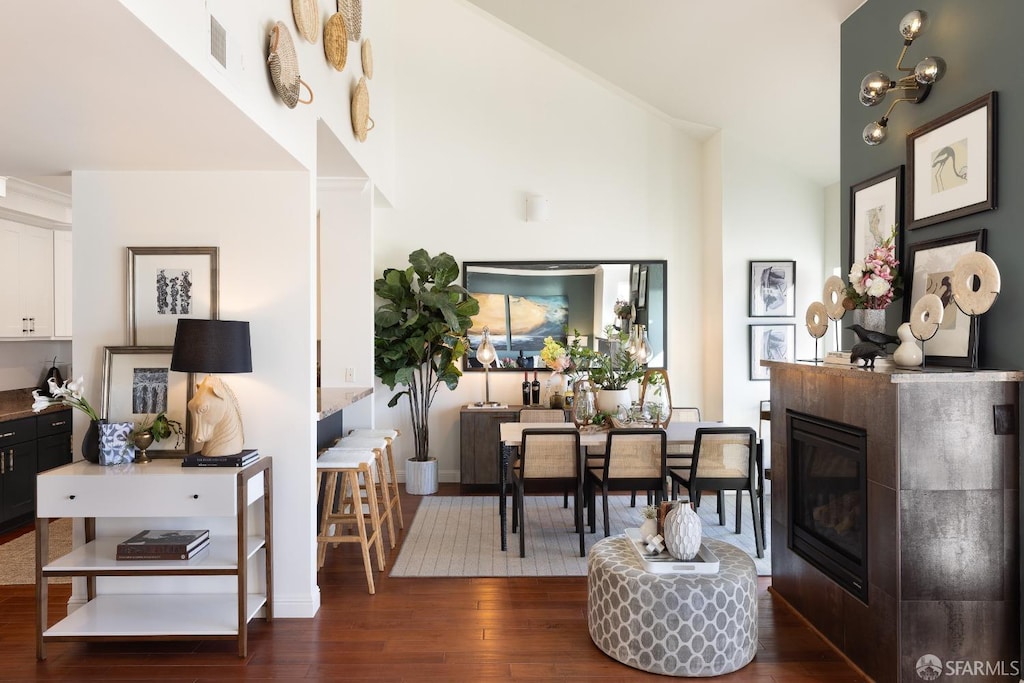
column 634, row 459
column 725, row 459
column 549, row 459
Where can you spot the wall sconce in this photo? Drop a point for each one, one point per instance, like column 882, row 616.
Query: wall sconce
column 538, row 209
column 916, row 84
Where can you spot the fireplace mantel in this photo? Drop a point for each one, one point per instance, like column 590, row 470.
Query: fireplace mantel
column 942, row 499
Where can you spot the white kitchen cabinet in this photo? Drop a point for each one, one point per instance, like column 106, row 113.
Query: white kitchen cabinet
column 26, row 280
column 158, row 495
column 62, row 283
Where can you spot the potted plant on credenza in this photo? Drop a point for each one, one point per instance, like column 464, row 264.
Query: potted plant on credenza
column 419, row 338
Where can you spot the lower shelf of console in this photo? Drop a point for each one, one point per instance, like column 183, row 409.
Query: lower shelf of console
column 157, row 616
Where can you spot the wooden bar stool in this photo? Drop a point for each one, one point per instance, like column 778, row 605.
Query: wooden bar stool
column 389, row 435
column 353, row 470
column 383, row 489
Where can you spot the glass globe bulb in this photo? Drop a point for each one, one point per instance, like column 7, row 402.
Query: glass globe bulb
column 873, row 88
column 875, row 133
column 929, row 70
column 911, row 24
column 486, row 353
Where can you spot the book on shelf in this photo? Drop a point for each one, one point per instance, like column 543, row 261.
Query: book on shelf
column 242, row 459
column 172, row 542
column 147, row 554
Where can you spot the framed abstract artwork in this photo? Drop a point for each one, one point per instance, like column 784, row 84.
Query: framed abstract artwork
column 138, row 383
column 951, row 164
column 770, row 342
column 930, row 271
column 876, row 210
column 771, row 289
column 165, row 284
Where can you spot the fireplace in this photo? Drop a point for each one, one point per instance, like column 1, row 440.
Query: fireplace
column 828, row 498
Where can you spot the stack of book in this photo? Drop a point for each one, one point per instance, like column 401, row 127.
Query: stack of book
column 164, row 544
column 237, row 460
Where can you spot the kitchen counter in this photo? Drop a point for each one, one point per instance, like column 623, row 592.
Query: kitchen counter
column 330, row 400
column 17, row 403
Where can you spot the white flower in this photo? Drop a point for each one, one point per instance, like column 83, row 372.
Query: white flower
column 41, row 402
column 878, row 287
column 856, row 276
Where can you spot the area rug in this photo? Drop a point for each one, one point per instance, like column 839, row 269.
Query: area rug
column 18, row 557
column 460, row 536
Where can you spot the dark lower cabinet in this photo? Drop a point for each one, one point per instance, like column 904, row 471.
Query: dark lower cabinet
column 29, row 445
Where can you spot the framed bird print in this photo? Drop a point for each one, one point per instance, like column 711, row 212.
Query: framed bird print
column 951, row 164
column 930, row 271
column 772, row 289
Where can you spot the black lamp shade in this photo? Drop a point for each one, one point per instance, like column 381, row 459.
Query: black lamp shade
column 213, row 346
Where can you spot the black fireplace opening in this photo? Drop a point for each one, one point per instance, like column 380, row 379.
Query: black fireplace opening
column 828, row 498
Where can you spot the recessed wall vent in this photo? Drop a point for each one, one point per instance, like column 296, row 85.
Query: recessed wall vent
column 218, row 42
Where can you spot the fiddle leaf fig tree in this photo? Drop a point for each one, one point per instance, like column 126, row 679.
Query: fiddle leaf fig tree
column 420, row 334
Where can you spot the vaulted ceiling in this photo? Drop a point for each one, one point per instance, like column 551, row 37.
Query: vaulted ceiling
column 765, row 72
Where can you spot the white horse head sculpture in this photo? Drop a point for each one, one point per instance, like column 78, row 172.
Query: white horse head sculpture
column 216, row 418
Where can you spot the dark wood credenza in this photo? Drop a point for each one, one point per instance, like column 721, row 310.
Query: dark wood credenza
column 943, row 527
column 480, row 444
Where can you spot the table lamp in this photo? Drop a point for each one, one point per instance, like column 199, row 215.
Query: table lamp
column 213, row 346
column 486, row 354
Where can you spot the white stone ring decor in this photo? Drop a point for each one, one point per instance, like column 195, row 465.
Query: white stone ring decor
column 817, row 319
column 926, row 317
column 833, row 296
column 968, row 267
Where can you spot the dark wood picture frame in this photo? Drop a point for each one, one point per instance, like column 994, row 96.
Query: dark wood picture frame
column 929, row 265
column 782, row 343
column 875, row 205
column 938, row 185
column 772, row 292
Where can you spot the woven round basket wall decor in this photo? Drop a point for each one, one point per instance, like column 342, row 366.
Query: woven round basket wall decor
column 352, row 10
column 284, row 66
column 367, row 54
column 336, row 41
column 307, row 19
column 361, row 121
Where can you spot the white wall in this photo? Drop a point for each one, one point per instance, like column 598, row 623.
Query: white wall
column 484, row 118
column 262, row 223
column 184, row 26
column 768, row 214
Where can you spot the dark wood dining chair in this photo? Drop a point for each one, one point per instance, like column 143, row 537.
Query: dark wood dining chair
column 634, row 459
column 725, row 459
column 549, row 460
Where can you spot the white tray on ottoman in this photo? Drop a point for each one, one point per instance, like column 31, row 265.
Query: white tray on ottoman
column 706, row 561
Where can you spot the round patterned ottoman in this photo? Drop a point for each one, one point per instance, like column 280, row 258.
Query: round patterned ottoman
column 675, row 624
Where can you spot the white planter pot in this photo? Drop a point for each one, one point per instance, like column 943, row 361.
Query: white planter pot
column 421, row 476
column 609, row 400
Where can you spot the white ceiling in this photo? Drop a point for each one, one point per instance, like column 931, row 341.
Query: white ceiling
column 765, row 72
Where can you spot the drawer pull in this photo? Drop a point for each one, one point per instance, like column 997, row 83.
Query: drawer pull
column 195, row 496
column 6, row 434
column 59, row 424
column 71, row 497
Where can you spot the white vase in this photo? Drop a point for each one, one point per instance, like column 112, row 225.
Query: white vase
column 908, row 355
column 682, row 532
column 609, row 400
column 421, row 476
column 649, row 527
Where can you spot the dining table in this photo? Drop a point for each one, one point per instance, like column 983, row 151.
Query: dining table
column 511, row 435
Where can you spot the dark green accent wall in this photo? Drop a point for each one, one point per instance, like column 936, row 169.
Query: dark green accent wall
column 983, row 45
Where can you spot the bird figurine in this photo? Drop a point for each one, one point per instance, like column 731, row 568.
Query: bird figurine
column 866, row 335
column 866, row 351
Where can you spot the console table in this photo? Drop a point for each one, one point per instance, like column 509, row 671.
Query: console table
column 160, row 494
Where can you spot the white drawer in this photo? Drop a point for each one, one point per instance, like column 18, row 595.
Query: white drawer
column 136, row 492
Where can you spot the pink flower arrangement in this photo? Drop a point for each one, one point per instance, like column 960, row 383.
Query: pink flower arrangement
column 876, row 281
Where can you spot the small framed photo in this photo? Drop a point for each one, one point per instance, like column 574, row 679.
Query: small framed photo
column 138, row 383
column 634, row 278
column 876, row 209
column 771, row 289
column 939, row 155
column 930, row 270
column 641, row 288
column 770, row 342
column 165, row 284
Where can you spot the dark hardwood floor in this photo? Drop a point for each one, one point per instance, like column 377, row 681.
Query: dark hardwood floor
column 437, row 629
